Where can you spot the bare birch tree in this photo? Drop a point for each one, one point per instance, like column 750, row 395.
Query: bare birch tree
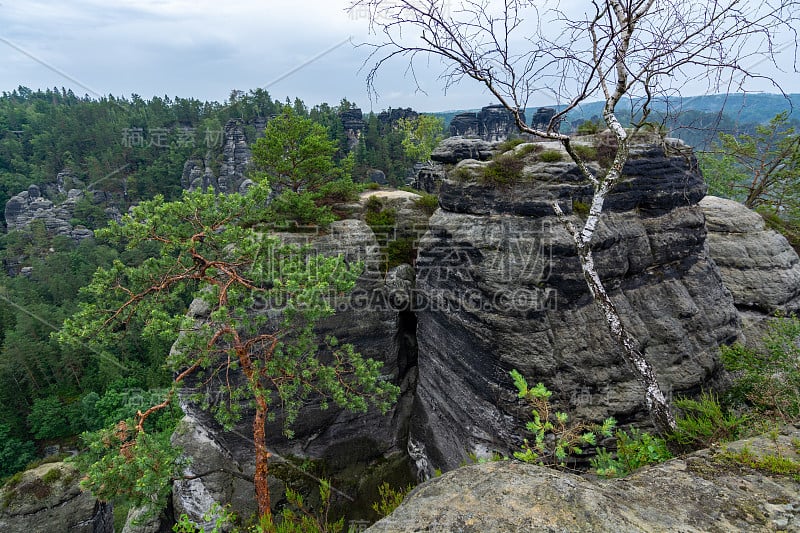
column 638, row 50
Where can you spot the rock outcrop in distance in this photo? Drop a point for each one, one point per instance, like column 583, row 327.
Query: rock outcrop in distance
column 491, row 123
column 29, row 206
column 224, row 172
column 708, row 490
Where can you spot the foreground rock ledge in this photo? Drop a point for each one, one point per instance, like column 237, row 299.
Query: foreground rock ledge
column 700, row 492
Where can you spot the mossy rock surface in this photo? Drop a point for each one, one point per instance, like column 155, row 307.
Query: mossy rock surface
column 700, row 492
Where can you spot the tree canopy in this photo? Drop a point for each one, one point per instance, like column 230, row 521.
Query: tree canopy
column 256, row 304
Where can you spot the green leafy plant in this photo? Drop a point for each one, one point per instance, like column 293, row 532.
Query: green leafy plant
column 389, row 498
column 503, row 170
column 428, row 203
column 634, row 450
column 704, row 422
column 555, row 439
column 221, row 517
column 769, row 378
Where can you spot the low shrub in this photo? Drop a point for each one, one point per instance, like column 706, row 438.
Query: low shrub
column 551, row 156
column 634, row 450
column 389, row 498
column 509, row 144
column 768, row 379
column 400, row 251
column 555, row 439
column 300, row 208
column 504, row 170
column 704, row 422
column 428, row 203
column 588, row 127
column 585, row 152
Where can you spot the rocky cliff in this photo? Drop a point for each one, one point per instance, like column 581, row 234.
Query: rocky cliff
column 226, row 171
column 48, row 498
column 502, row 289
column 707, row 491
column 491, row 123
column 496, row 285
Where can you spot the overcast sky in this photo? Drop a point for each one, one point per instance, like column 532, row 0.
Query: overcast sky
column 205, row 48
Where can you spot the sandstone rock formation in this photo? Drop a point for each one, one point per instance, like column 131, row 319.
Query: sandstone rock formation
column 757, row 264
column 703, row 492
column 502, row 289
column 48, row 498
column 491, row 123
column 454, row 149
column 28, row 206
column 234, row 162
column 542, row 118
column 392, row 115
column 353, row 124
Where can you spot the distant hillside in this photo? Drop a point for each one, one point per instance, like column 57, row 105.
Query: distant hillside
column 695, row 119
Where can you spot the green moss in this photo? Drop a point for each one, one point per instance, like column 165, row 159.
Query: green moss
column 52, row 475
column 770, row 463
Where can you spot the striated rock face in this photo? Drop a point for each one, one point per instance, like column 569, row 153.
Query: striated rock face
column 501, row 288
column 390, row 116
column 758, row 265
column 233, row 163
column 428, row 178
column 542, row 118
column 465, row 124
column 699, row 493
column 48, row 498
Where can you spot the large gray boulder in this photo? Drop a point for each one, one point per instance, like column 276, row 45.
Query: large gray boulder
column 49, row 498
column 502, row 289
column 706, row 491
column 757, row 264
column 454, row 149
